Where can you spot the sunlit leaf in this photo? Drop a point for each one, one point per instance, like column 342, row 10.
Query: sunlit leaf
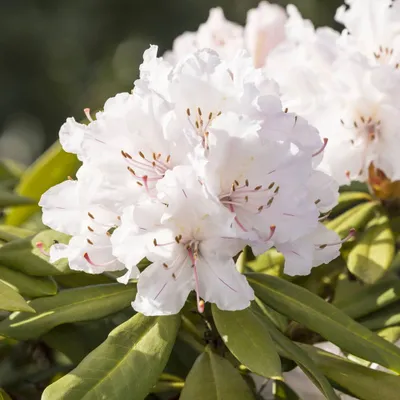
column 349, row 199
column 249, row 340
column 214, row 378
column 126, row 366
column 71, row 305
column 362, row 382
column 373, row 253
column 28, row 285
column 10, row 300
column 322, row 317
column 53, row 167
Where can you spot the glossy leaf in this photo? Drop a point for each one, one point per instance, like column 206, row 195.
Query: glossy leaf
column 290, row 350
column 53, row 167
column 362, row 382
column 349, row 199
column 388, row 316
column 373, row 253
column 28, row 285
column 126, row 366
column 331, row 323
column 8, row 199
column 281, row 391
column 10, row 300
column 9, row 233
column 249, row 341
column 23, row 255
column 369, row 298
column 72, row 305
column 214, row 378
column 357, row 217
column 271, row 262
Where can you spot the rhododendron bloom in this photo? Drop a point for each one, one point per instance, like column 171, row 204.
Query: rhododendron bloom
column 198, row 162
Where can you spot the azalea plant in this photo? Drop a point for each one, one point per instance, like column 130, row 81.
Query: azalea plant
column 233, row 217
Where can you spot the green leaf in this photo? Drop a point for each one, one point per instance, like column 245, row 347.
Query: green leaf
column 391, row 334
column 9, row 233
column 271, row 262
column 126, row 366
column 8, row 199
column 373, row 253
column 23, row 255
column 4, row 395
column 369, row 298
column 71, row 305
column 281, row 391
column 249, row 341
column 357, row 217
column 290, row 350
column 349, row 199
column 28, row 285
column 322, row 317
column 389, row 316
column 362, row 382
column 50, row 169
column 10, row 300
column 214, row 378
column 79, row 279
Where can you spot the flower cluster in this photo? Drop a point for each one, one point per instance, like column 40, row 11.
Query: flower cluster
column 346, row 85
column 197, row 162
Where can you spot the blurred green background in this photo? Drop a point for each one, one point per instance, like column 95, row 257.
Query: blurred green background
column 58, row 57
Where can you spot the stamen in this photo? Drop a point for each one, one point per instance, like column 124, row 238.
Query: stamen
column 165, row 265
column 87, row 113
column 89, row 241
column 40, row 246
column 272, row 230
column 322, row 148
column 246, row 182
column 352, row 233
column 89, row 260
column 188, row 112
column 142, row 155
column 90, row 215
column 286, row 110
column 90, row 229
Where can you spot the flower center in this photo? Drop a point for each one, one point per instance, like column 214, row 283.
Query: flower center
column 384, row 55
column 200, row 124
column 147, row 169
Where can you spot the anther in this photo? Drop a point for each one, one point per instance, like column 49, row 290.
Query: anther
column 90, row 229
column 260, row 208
column 197, row 125
column 142, row 155
column 286, row 110
column 168, row 158
column 173, row 275
column 139, row 184
column 199, row 111
column 258, row 187
column 210, row 116
column 271, row 185
column 165, row 265
column 155, row 242
column 89, row 241
column 270, row 201
column 177, row 239
column 317, row 201
column 276, row 190
column 355, row 124
column 219, row 113
column 90, row 215
column 131, row 170
column 123, row 154
column 246, row 198
column 188, row 112
column 237, row 183
column 246, row 182
column 362, row 119
column 342, row 122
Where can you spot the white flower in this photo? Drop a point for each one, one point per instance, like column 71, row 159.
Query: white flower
column 217, row 34
column 264, row 30
column 373, row 29
column 198, row 161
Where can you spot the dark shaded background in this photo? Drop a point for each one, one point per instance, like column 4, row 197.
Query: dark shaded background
column 58, row 57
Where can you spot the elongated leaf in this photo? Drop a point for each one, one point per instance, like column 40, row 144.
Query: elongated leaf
column 391, row 334
column 10, row 300
column 79, row 279
column 364, row 383
column 126, row 366
column 28, row 285
column 349, row 199
column 357, row 217
column 8, row 199
column 281, row 391
column 72, row 305
column 373, row 253
column 370, row 298
column 23, row 255
column 4, row 395
column 322, row 317
column 214, row 378
column 291, row 351
column 249, row 340
column 271, row 262
column 384, row 318
column 50, row 169
column 9, row 233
